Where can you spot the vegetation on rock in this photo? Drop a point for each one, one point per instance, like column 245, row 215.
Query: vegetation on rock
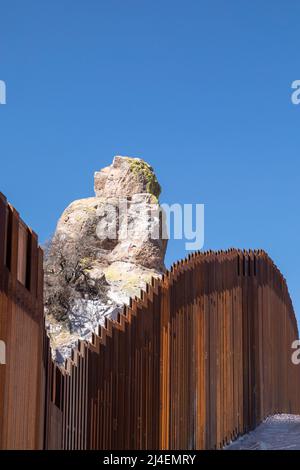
column 139, row 167
column 67, row 278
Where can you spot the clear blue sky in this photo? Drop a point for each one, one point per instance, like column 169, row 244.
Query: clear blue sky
column 200, row 89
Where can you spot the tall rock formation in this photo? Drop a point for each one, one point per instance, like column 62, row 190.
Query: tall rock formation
column 115, row 237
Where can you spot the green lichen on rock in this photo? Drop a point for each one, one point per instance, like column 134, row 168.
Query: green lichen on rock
column 139, row 167
column 154, row 199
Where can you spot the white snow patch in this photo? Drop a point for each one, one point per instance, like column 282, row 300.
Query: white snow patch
column 278, row 432
column 85, row 318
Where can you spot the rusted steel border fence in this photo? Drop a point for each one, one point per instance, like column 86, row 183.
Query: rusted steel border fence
column 202, row 357
column 22, row 378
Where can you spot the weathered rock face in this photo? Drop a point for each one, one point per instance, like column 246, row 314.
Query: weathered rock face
column 119, row 234
column 116, row 229
column 125, row 177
